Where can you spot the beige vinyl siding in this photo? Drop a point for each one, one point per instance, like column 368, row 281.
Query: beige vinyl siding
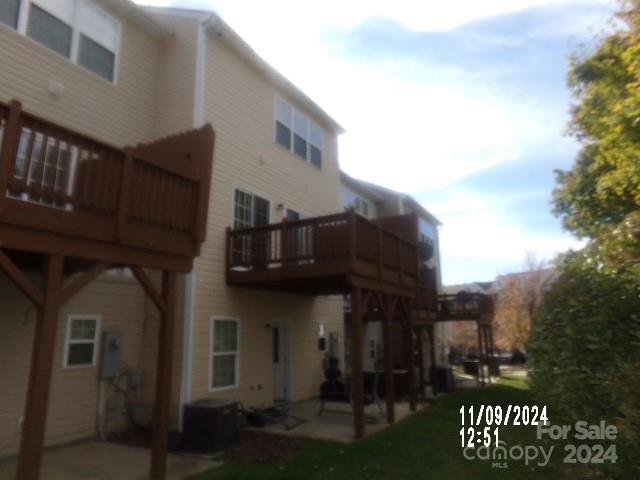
column 239, row 103
column 176, row 75
column 121, row 114
column 74, row 391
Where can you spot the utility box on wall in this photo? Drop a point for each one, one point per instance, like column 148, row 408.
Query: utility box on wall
column 111, row 360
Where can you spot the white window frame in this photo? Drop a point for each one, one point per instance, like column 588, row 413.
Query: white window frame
column 23, row 14
column 295, row 111
column 361, row 206
column 68, row 341
column 254, row 193
column 212, row 354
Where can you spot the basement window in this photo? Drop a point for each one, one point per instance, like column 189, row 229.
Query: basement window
column 81, row 341
column 225, row 346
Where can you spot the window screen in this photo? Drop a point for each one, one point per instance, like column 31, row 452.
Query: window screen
column 48, row 30
column 9, row 12
column 96, row 58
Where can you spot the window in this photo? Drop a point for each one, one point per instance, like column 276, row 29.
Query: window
column 96, row 58
column 283, row 124
column 360, row 206
column 249, row 210
column 76, row 29
column 56, row 170
column 224, row 353
column 49, row 30
column 298, row 134
column 9, row 10
column 322, row 336
column 81, row 340
column 292, row 215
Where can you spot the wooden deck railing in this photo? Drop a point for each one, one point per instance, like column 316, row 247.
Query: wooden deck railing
column 364, row 247
column 465, row 306
column 152, row 195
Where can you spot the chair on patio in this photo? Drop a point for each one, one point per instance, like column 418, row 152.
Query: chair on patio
column 334, row 390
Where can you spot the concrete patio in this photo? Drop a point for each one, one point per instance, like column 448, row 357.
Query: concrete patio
column 107, row 461
column 336, row 423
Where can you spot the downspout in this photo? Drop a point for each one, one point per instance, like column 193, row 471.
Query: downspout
column 190, row 280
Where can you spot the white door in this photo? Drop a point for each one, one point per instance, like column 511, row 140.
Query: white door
column 280, row 352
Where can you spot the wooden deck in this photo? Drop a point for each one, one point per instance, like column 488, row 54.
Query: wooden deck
column 465, row 307
column 65, row 193
column 321, row 256
column 71, row 204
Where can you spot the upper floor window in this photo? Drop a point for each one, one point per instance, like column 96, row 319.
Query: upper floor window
column 298, row 134
column 76, row 29
column 361, row 206
column 9, row 10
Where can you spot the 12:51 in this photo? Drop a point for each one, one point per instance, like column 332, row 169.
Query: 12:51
column 470, row 437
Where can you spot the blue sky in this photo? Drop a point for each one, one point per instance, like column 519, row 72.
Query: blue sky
column 462, row 104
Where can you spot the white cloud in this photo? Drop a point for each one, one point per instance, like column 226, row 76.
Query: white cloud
column 431, row 123
column 477, row 227
column 419, row 15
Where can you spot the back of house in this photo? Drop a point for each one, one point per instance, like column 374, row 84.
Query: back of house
column 125, row 75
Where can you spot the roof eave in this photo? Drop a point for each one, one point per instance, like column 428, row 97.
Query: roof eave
column 138, row 14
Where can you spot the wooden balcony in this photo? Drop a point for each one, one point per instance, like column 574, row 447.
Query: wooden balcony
column 68, row 194
column 321, row 256
column 465, row 306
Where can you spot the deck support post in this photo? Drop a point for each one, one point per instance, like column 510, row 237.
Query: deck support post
column 481, row 379
column 410, row 354
column 389, row 386
column 35, row 414
column 487, row 350
column 162, row 404
column 420, row 344
column 432, row 355
column 357, row 380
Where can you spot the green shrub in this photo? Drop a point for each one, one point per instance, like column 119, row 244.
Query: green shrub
column 585, row 353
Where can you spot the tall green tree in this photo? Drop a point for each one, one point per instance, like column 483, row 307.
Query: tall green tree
column 599, row 198
column 585, row 344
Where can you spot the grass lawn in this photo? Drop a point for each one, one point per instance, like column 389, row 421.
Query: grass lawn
column 424, row 446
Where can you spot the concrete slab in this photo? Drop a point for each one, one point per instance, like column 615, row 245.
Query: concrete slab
column 108, row 461
column 332, row 425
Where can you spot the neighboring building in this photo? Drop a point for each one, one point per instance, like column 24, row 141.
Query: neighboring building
column 375, row 203
column 516, row 296
column 123, row 75
column 473, row 287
